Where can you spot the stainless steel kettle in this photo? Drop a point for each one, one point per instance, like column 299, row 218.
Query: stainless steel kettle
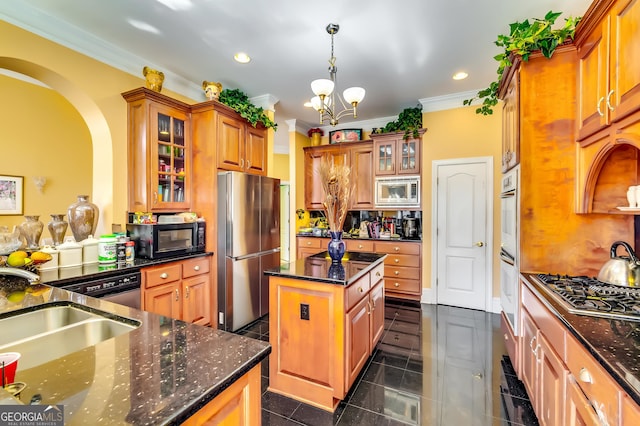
column 623, row 271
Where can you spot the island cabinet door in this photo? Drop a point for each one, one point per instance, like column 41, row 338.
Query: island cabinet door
column 357, row 340
column 376, row 298
column 196, row 306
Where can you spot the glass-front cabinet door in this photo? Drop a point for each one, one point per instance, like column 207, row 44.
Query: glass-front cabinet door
column 409, row 155
column 385, row 157
column 170, row 178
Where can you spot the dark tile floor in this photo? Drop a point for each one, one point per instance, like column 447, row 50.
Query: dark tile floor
column 435, row 365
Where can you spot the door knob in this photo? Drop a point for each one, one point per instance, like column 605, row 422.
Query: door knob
column 480, row 244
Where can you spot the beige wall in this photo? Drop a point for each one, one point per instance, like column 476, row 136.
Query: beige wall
column 43, row 135
column 93, row 90
column 460, row 133
column 280, row 167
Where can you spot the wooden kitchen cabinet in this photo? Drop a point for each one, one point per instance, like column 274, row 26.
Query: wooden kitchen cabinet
column 510, row 94
column 609, row 71
column 394, row 155
column 343, row 327
column 241, row 147
column 307, row 246
column 159, row 152
column 238, row 405
column 313, row 193
column 362, row 176
column 403, row 268
column 180, row 290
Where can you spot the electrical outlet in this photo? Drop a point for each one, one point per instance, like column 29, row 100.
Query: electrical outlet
column 304, row 311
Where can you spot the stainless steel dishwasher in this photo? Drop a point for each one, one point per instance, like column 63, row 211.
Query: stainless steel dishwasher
column 123, row 288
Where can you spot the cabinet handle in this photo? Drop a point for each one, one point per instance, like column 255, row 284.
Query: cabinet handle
column 396, row 249
column 396, row 272
column 155, row 197
column 585, row 376
column 369, row 308
column 506, row 337
column 248, row 164
column 611, row 108
column 196, row 268
column 308, row 243
column 164, row 275
column 360, row 246
column 598, row 107
column 533, row 339
column 177, row 295
column 242, row 163
column 186, row 292
column 396, row 284
column 396, row 260
column 377, row 273
column 361, row 290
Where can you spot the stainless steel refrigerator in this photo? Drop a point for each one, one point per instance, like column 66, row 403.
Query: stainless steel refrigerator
column 248, row 243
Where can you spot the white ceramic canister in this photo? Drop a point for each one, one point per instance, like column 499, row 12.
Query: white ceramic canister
column 89, row 250
column 53, row 263
column 69, row 253
column 107, row 248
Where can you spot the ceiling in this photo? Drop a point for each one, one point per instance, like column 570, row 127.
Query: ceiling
column 400, row 52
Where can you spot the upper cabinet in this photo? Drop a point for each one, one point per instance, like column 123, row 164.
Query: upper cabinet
column 159, row 152
column 394, row 155
column 313, row 193
column 241, row 147
column 608, row 43
column 608, row 110
column 510, row 93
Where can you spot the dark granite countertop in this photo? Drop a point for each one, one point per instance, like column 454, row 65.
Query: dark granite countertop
column 319, row 268
column 61, row 276
column 346, row 236
column 159, row 373
column 614, row 343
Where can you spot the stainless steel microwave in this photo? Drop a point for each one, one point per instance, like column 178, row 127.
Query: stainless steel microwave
column 397, row 192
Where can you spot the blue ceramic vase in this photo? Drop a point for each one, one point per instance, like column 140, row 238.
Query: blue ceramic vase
column 336, row 246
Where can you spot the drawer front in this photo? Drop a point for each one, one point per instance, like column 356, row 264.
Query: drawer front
column 401, row 285
column 405, row 272
column 193, row 267
column 397, row 247
column 377, row 274
column 402, row 260
column 357, row 290
column 159, row 275
column 310, row 242
column 596, row 384
column 354, row 245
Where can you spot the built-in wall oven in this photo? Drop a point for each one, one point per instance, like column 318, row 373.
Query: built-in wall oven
column 509, row 265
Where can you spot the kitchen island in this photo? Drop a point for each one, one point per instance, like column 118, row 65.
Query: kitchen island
column 162, row 371
column 324, row 322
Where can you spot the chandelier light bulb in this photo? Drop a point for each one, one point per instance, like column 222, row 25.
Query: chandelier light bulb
column 322, row 86
column 353, row 95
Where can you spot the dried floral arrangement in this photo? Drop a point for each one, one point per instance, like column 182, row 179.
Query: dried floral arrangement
column 337, row 187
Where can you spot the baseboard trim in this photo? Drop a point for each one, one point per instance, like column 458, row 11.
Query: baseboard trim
column 428, row 297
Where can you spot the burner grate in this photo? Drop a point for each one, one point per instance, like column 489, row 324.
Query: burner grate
column 587, row 295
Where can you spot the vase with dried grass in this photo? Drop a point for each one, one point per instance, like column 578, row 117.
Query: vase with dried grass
column 337, row 188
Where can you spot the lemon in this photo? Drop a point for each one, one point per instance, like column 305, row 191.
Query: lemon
column 16, row 296
column 17, row 259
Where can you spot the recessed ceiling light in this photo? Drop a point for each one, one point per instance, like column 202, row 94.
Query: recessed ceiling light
column 460, row 75
column 241, row 57
column 143, row 26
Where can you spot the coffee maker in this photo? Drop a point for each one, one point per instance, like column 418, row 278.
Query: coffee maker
column 411, row 227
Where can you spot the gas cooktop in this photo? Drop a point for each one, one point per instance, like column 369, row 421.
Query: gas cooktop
column 588, row 296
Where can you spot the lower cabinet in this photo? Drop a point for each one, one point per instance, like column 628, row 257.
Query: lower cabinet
column 322, row 335
column 238, row 405
column 566, row 385
column 180, row 290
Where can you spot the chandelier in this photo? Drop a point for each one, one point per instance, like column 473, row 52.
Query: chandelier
column 325, row 100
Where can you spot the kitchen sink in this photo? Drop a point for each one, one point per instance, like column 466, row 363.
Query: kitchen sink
column 53, row 331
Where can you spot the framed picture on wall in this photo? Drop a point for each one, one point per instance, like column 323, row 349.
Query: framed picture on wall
column 11, row 194
column 345, row 135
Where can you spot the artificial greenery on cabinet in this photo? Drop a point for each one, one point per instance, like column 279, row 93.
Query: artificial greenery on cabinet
column 524, row 38
column 239, row 102
column 409, row 121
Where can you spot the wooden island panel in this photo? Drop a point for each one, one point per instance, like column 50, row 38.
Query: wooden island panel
column 323, row 333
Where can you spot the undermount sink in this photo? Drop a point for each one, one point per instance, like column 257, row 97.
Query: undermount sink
column 53, row 331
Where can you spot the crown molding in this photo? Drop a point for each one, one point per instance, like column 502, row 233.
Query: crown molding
column 454, row 100
column 267, row 101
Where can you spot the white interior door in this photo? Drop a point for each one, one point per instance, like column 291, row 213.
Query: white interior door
column 462, row 236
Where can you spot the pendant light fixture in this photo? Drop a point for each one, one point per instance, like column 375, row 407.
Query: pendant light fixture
column 325, row 100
